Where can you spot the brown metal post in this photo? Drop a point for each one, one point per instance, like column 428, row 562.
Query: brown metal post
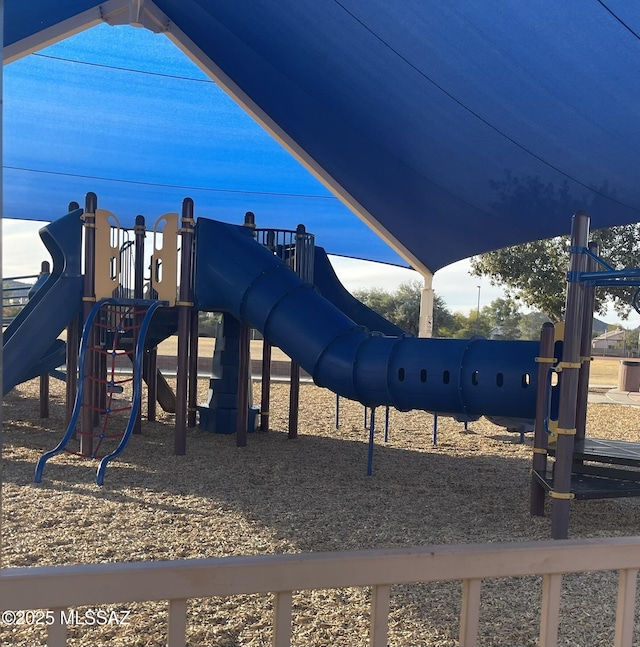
column 192, row 401
column 250, row 219
column 294, row 400
column 45, row 268
column 242, row 419
column 244, row 366
column 570, row 367
column 540, row 437
column 585, row 348
column 265, row 398
column 44, row 395
column 89, row 299
column 303, row 269
column 151, row 358
column 185, row 306
column 100, row 359
column 73, row 343
column 139, row 231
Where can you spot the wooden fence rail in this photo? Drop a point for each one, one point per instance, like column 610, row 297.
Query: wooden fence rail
column 63, row 587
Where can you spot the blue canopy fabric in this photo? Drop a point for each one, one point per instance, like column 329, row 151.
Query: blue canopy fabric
column 450, row 128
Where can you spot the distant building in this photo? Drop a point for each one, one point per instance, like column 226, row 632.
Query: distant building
column 613, row 340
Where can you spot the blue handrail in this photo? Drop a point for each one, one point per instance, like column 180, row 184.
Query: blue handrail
column 137, row 391
column 84, row 347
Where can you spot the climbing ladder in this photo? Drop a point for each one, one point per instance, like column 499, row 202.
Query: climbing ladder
column 115, row 328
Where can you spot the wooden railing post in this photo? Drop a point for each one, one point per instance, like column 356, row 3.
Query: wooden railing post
column 177, row 626
column 282, row 619
column 379, row 627
column 550, row 612
column 57, row 631
column 470, row 613
column 625, row 611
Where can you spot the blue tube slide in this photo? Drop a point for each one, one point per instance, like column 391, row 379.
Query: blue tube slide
column 233, row 273
column 29, row 342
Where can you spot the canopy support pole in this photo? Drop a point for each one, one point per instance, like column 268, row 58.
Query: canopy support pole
column 425, row 325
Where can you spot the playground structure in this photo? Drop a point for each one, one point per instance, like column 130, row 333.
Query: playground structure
column 264, row 279
column 582, row 468
column 124, row 316
column 117, row 322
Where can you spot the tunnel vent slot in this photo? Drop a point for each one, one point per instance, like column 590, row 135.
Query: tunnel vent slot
column 499, row 379
column 474, row 378
column 423, row 375
column 445, row 377
column 401, row 374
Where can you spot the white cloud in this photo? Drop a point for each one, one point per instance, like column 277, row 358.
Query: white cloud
column 355, row 274
column 22, row 249
column 459, row 289
column 453, row 283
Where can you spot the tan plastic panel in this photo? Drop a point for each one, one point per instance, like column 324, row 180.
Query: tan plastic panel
column 164, row 262
column 108, row 240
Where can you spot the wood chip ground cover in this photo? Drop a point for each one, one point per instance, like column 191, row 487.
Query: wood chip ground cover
column 310, row 494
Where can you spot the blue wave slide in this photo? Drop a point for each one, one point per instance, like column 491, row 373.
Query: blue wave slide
column 234, row 274
column 325, row 279
column 29, row 345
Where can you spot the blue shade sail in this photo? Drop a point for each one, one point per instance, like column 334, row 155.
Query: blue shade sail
column 450, row 128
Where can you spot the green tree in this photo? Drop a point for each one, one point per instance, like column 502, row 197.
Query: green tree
column 379, row 300
column 444, row 322
column 402, row 307
column 467, row 326
column 531, row 324
column 633, row 339
column 504, row 316
column 535, row 273
column 406, row 306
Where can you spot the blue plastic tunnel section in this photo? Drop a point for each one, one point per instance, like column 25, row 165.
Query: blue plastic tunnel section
column 30, row 340
column 475, row 377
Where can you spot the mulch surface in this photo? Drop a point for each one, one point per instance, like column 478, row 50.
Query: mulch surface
column 310, row 494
